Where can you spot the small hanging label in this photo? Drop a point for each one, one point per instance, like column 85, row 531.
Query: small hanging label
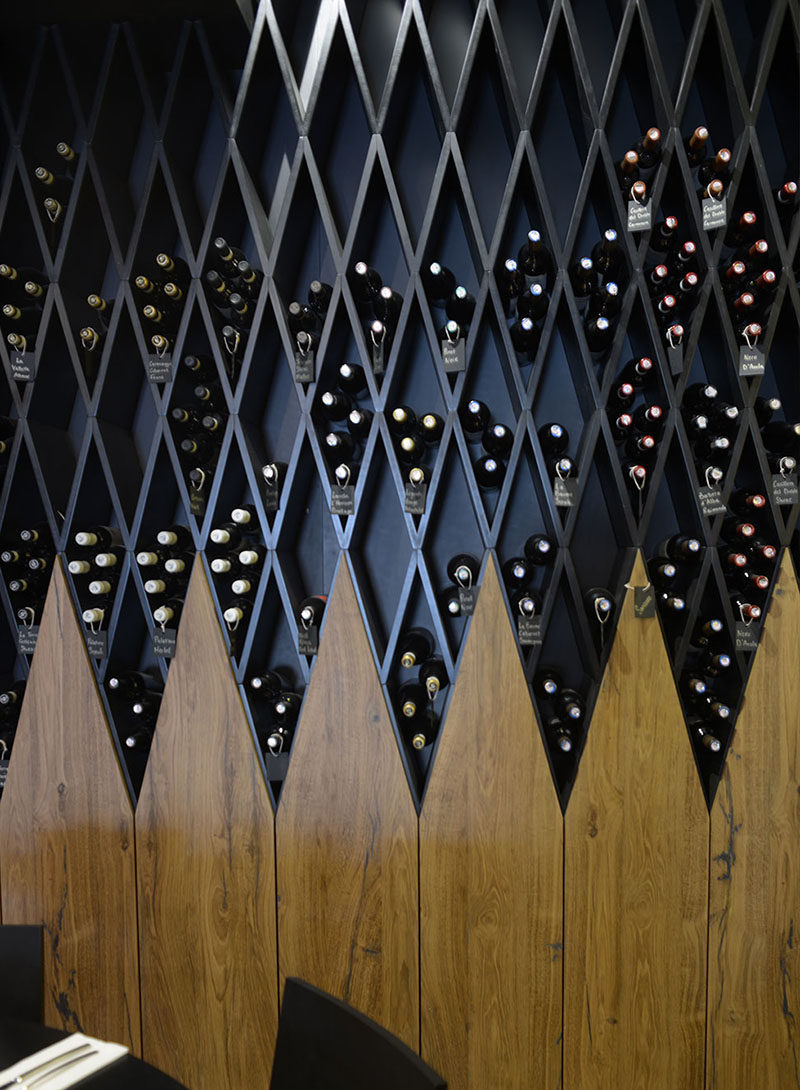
column 565, row 491
column 270, row 495
column 3, row 774
column 416, row 494
column 97, row 644
column 197, row 502
column 710, row 501
column 23, row 366
column 784, row 489
column 304, row 367
column 644, row 603
column 751, row 360
column 675, row 357
column 164, row 642
column 343, row 500
column 715, row 213
column 466, row 600
column 529, row 631
column 160, row 368
column 640, row 216
column 454, row 356
column 378, row 363
column 26, row 639
column 277, row 765
column 746, row 636
column 308, row 640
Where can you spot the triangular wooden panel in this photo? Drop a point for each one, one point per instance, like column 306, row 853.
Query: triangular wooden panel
column 348, row 898
column 491, row 876
column 206, row 873
column 754, row 936
column 636, row 881
column 67, row 837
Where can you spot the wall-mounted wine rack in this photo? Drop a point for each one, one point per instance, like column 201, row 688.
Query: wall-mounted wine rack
column 403, row 135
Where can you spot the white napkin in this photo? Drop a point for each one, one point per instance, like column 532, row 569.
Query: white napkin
column 105, row 1053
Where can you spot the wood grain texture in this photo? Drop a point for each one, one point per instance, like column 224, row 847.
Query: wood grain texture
column 347, row 837
column 206, row 874
column 67, row 837
column 491, row 876
column 636, row 881
column 754, row 937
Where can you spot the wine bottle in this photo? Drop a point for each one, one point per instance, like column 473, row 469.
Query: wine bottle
column 412, row 699
column 715, row 663
column 539, row 549
column 387, row 305
column 366, row 283
column 583, row 278
column 708, row 740
column 237, row 613
column 627, row 169
column 561, row 734
column 648, row 149
column 438, row 282
column 571, row 706
column 252, row 557
column 311, row 609
column 414, row 647
column 534, row 259
column 525, row 603
column 696, row 146
column 351, row 379
column 707, row 632
column 12, row 695
column 532, row 303
column 608, row 258
column 146, row 707
column 267, row 685
column 228, row 535
column 245, row 515
column 525, row 337
column 510, row 284
column 168, row 612
column 474, row 418
column 460, row 306
column 462, row 569
column 516, row 572
column 433, row 676
column 553, row 437
column 599, row 334
column 432, row 427
column 179, row 537
column 226, row 256
column 319, row 297
column 338, row 446
column 103, row 537
column 358, row 423
column 664, row 237
column 175, row 267
column 489, row 472
column 599, row 603
column 547, row 683
column 498, row 440
column 621, row 425
column 248, row 280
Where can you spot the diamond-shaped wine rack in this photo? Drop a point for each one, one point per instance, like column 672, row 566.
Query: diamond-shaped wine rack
column 265, row 306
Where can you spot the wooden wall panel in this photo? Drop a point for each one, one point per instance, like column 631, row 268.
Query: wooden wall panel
column 754, row 944
column 206, row 874
column 491, row 875
column 636, row 881
column 67, row 837
column 347, row 838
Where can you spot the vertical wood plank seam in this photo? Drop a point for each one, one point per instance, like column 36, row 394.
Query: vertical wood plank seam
column 708, row 959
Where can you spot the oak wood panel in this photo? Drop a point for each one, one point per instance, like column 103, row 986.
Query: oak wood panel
column 206, row 873
column 347, row 837
column 636, row 881
column 491, row 875
column 67, row 837
column 754, row 945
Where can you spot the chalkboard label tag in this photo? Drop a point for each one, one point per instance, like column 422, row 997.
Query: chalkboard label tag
column 751, row 361
column 97, row 644
column 644, row 603
column 160, row 368
column 277, row 765
column 746, row 636
column 23, row 366
column 308, row 640
column 466, row 600
column 416, row 494
column 640, row 216
column 197, row 502
column 343, row 501
column 675, row 357
column 26, row 639
column 529, row 631
column 784, row 489
column 710, row 501
column 378, row 362
column 565, row 491
column 454, row 356
column 270, row 496
column 715, row 213
column 164, row 642
column 304, row 366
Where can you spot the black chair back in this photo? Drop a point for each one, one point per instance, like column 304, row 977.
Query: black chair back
column 325, row 1044
column 21, row 990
